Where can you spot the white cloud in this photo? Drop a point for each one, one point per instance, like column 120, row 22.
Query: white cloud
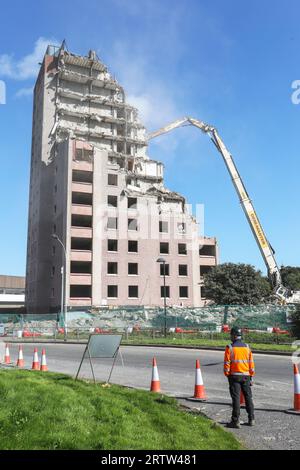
column 140, row 65
column 24, row 92
column 6, row 69
column 144, row 87
column 28, row 66
column 147, row 89
column 156, row 107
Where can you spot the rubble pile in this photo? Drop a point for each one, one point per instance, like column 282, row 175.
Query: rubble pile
column 206, row 318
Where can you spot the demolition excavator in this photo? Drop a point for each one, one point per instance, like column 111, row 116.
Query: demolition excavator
column 282, row 294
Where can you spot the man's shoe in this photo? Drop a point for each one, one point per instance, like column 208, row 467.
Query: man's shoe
column 234, row 424
column 251, row 422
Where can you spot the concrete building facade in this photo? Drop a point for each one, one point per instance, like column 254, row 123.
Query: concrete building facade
column 93, row 185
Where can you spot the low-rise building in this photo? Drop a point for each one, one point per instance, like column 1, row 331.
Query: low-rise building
column 12, row 293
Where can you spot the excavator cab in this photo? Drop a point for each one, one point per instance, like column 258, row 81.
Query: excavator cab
column 282, row 293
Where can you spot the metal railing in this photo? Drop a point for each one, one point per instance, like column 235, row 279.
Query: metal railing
column 139, row 335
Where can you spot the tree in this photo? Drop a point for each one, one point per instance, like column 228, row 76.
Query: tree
column 290, row 277
column 240, row 284
column 295, row 317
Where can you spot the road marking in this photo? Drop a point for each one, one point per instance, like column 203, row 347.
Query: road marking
column 277, row 382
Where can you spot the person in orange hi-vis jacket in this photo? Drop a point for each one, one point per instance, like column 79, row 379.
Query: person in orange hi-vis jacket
column 239, row 368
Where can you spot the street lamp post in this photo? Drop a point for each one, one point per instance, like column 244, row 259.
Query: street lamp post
column 62, row 271
column 163, row 262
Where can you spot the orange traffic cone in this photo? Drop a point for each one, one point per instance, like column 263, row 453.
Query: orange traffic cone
column 199, row 391
column 296, row 388
column 43, row 361
column 296, row 409
column 7, row 355
column 20, row 361
column 155, row 383
column 35, row 361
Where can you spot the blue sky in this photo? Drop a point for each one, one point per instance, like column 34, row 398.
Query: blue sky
column 230, row 64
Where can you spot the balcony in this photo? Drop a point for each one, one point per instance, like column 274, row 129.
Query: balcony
column 82, row 221
column 81, row 244
column 82, row 166
column 208, row 261
column 81, row 255
column 79, row 176
column 81, row 279
column 82, row 187
column 80, row 301
column 81, row 232
column 82, row 199
column 80, row 295
column 81, row 267
column 81, row 226
column 81, row 209
column 207, row 250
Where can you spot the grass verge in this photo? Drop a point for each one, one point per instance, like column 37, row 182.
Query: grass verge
column 52, row 411
column 204, row 342
column 185, row 342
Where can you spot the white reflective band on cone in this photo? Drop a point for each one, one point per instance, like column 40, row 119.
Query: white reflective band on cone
column 155, row 376
column 198, row 379
column 297, row 384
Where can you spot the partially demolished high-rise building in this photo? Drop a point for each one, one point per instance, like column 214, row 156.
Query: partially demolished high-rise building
column 98, row 205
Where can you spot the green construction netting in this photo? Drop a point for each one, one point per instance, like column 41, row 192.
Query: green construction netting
column 205, row 318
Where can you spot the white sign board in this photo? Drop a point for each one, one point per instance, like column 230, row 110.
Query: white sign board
column 104, row 345
column 2, row 351
column 101, row 346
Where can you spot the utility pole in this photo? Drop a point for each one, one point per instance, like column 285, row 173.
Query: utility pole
column 163, row 262
column 63, row 277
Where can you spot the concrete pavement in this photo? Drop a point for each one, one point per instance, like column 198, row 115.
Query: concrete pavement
column 273, row 388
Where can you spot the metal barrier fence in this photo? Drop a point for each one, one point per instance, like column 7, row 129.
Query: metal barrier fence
column 150, row 321
column 134, row 335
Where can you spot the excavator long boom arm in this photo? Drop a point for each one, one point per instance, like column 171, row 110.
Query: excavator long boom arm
column 256, row 227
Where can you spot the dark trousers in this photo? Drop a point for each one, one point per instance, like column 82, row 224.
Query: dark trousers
column 238, row 383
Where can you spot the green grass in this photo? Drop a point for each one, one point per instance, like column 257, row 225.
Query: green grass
column 51, row 411
column 258, row 340
column 204, row 342
column 186, row 341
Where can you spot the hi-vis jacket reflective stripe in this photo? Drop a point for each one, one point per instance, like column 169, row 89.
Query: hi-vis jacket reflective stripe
column 238, row 359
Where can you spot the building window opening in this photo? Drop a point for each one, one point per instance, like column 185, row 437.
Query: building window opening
column 182, row 249
column 112, row 291
column 183, row 292
column 112, row 223
column 112, row 245
column 164, row 269
column 132, row 246
column 112, row 268
column 133, row 268
column 182, row 270
column 133, row 292
column 112, row 201
column 132, row 203
column 112, row 179
column 163, row 226
column 164, row 248
column 162, row 291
